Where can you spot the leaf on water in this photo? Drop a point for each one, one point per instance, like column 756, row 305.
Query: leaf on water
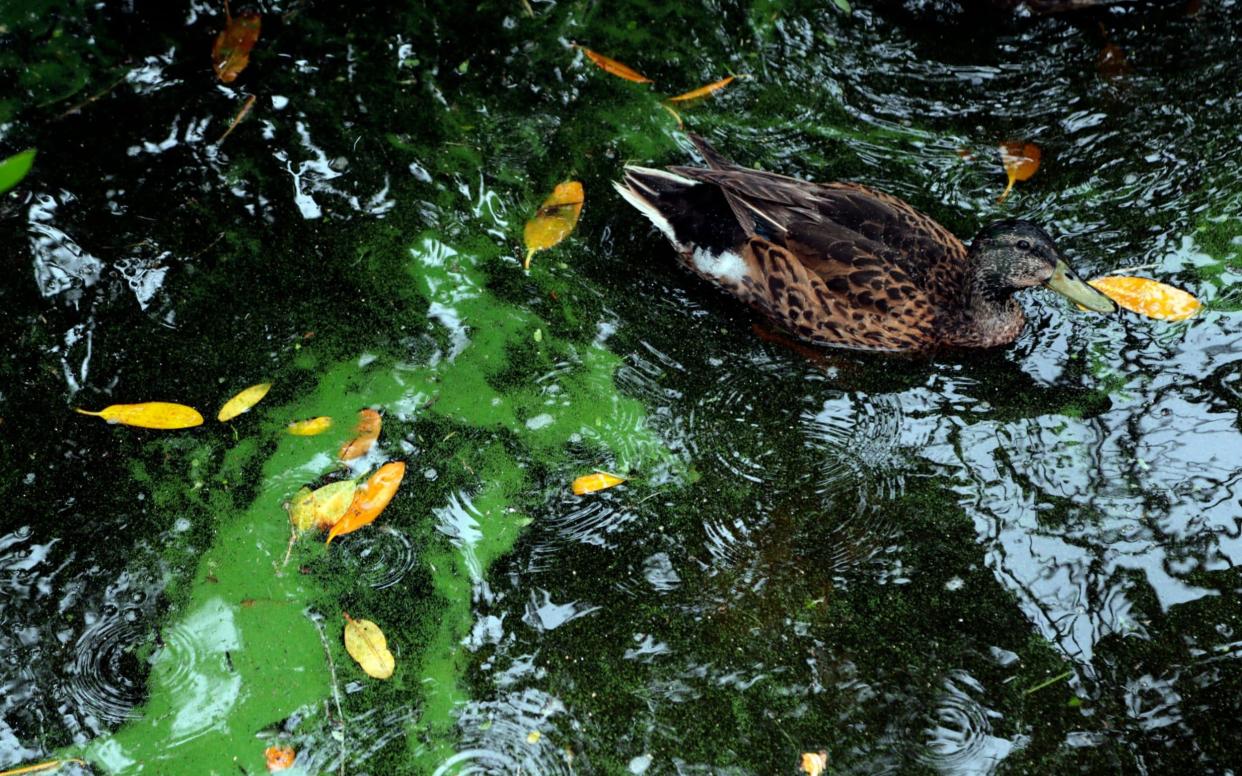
column 614, row 67
column 365, row 434
column 365, row 643
column 279, row 758
column 150, row 414
column 321, row 508
column 1021, row 160
column 237, row 119
column 1148, row 297
column 50, row 765
column 555, row 219
column 814, row 763
column 533, row 737
column 13, row 169
column 703, row 91
column 302, row 509
column 231, row 52
column 310, row 427
column 370, row 499
column 590, row 483
column 243, row 401
column 844, row 5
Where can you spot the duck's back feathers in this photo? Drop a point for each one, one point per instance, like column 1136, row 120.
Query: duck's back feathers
column 838, row 263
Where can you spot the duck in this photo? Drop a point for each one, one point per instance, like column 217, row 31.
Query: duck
column 845, row 265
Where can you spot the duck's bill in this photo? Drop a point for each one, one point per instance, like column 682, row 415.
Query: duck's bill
column 1067, row 284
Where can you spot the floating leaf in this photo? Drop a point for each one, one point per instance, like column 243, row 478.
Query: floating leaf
column 365, row 643
column 321, row 508
column 844, row 5
column 279, row 758
column 1021, row 160
column 365, row 434
column 50, row 765
column 614, row 67
column 590, row 483
column 231, row 52
column 243, row 401
column 241, row 114
column 150, row 414
column 13, row 169
column 814, row 763
column 533, row 737
column 310, row 427
column 703, row 91
column 1148, row 297
column 370, row 499
column 555, row 219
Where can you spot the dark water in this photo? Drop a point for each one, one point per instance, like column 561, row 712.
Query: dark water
column 1015, row 561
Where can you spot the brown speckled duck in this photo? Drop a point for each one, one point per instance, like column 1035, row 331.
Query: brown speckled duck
column 845, row 265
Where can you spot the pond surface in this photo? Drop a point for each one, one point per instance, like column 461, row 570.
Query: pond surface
column 1024, row 560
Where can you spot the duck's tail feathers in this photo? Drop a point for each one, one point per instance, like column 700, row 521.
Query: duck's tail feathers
column 691, row 214
column 714, row 158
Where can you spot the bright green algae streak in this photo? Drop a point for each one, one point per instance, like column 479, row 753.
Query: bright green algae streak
column 242, row 653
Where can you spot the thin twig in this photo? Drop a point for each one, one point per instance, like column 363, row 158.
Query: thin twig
column 293, row 537
column 336, row 693
column 93, row 97
column 241, row 114
column 1048, row 682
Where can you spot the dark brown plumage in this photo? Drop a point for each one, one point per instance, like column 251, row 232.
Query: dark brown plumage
column 842, row 264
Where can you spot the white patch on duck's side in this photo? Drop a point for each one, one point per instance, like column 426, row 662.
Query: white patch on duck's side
column 726, row 266
column 649, row 210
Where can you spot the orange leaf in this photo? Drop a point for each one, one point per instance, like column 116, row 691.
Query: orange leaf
column 231, row 52
column 370, row 499
column 703, row 91
column 279, row 758
column 590, row 483
column 365, row 434
column 555, row 219
column 614, row 67
column 1021, row 160
column 1148, row 297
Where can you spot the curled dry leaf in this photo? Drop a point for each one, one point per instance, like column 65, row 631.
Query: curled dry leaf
column 703, row 91
column 150, row 414
column 614, row 67
column 310, row 427
column 555, row 219
column 365, row 434
column 243, row 401
column 321, row 508
column 814, row 763
column 231, row 52
column 1148, row 297
column 590, row 483
column 279, row 758
column 1021, row 160
column 370, row 499
column 365, row 643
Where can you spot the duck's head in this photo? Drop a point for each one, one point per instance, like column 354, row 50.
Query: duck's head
column 1008, row 256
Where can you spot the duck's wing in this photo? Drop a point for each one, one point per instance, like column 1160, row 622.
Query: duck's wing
column 773, row 203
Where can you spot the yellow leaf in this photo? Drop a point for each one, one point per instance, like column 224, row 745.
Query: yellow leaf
column 47, row 766
column 533, row 737
column 369, row 500
column 243, row 401
column 1021, row 160
column 302, row 509
column 614, row 67
column 703, row 91
column 322, row 508
column 814, row 763
column 590, row 483
column 150, row 414
column 555, row 219
column 1148, row 297
column 310, row 427
column 365, row 434
column 365, row 643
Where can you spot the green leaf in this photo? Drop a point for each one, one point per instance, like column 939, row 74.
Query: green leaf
column 844, row 5
column 13, row 169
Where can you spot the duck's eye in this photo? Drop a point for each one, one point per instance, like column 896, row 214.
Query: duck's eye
column 1024, row 245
